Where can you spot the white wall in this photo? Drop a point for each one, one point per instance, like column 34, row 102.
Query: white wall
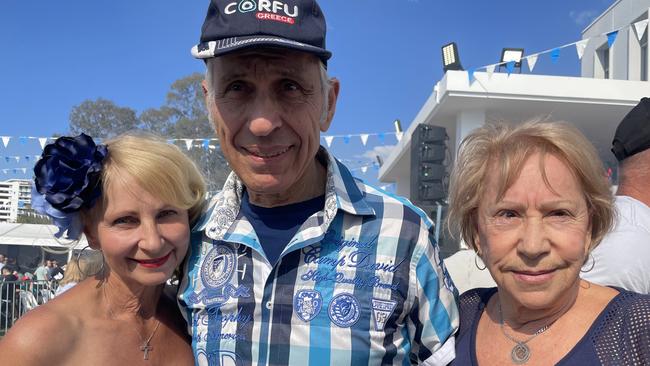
column 624, row 58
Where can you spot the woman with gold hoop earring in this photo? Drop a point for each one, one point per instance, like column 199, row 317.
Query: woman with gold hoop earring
column 134, row 198
column 533, row 200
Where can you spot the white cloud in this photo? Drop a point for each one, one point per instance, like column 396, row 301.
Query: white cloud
column 383, row 151
column 583, row 17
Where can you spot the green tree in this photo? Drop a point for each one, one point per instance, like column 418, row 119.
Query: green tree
column 183, row 116
column 102, row 118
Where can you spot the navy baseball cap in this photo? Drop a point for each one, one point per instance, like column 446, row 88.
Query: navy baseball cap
column 233, row 25
column 633, row 133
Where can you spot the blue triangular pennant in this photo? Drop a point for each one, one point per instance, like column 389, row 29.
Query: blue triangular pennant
column 206, row 143
column 555, row 55
column 470, row 74
column 381, row 137
column 510, row 67
column 346, row 139
column 22, row 139
column 7, row 159
column 611, row 38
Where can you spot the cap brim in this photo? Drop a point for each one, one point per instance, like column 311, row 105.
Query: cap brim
column 222, row 47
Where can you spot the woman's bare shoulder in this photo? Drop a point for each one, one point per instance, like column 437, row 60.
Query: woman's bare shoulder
column 44, row 335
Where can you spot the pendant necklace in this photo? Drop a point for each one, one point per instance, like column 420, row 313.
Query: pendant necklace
column 146, row 347
column 520, row 352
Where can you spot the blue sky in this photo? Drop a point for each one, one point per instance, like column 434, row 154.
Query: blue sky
column 56, row 54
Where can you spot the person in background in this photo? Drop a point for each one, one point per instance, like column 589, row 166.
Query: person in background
column 42, row 271
column 55, row 272
column 623, row 257
column 296, row 261
column 134, row 198
column 2, row 261
column 87, row 264
column 532, row 201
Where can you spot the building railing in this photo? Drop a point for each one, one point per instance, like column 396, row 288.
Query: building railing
column 18, row 297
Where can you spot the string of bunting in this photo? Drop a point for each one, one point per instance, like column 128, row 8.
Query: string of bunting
column 640, row 28
column 209, row 143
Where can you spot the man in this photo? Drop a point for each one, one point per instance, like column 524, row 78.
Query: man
column 296, row 262
column 42, row 272
column 2, row 261
column 55, row 272
column 622, row 257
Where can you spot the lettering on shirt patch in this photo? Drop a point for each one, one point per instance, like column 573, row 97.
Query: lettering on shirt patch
column 225, row 358
column 217, row 270
column 344, row 310
column 307, row 304
column 381, row 311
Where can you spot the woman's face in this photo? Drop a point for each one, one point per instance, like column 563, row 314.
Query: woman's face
column 535, row 238
column 143, row 238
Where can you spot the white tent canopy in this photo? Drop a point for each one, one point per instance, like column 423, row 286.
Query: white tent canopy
column 36, row 235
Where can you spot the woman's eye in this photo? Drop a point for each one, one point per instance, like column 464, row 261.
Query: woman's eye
column 507, row 214
column 126, row 220
column 560, row 213
column 167, row 213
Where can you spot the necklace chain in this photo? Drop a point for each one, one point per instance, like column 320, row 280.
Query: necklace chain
column 145, row 347
column 520, row 353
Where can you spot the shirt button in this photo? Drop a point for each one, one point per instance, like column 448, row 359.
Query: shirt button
column 269, row 305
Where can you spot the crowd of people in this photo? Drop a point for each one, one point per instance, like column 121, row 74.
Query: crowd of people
column 296, row 262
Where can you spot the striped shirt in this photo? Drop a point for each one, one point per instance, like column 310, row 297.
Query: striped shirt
column 361, row 283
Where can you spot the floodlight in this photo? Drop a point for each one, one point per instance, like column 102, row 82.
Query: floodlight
column 512, row 54
column 450, row 59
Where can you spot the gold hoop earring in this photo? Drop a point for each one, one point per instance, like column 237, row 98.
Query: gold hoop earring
column 476, row 262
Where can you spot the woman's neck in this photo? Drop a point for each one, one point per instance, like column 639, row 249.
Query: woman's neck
column 123, row 299
column 524, row 320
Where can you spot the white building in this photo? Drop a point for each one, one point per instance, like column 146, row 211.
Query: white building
column 591, row 102
column 15, row 199
column 612, row 81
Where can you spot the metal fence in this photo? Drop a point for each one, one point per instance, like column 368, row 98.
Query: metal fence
column 18, row 297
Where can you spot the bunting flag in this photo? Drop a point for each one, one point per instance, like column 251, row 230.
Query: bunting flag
column 24, row 170
column 42, row 141
column 555, row 55
column 399, row 135
column 5, row 140
column 381, row 137
column 532, row 60
column 22, row 140
column 328, row 140
column 188, row 143
column 640, row 28
column 581, row 46
column 346, row 139
column 364, row 138
column 490, row 70
column 510, row 67
column 364, row 169
column 17, row 159
column 206, row 144
column 470, row 75
column 611, row 38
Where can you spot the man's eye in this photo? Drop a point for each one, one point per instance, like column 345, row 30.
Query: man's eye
column 289, row 85
column 236, row 86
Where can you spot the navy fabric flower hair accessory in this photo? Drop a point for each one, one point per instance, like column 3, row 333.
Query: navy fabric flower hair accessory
column 67, row 179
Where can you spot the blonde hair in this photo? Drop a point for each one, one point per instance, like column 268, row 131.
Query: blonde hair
column 503, row 149
column 86, row 265
column 160, row 168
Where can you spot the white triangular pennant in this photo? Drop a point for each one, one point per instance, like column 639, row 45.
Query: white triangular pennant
column 5, row 140
column 328, row 140
column 42, row 141
column 188, row 143
column 364, row 169
column 399, row 135
column 640, row 28
column 580, row 47
column 490, row 70
column 24, row 170
column 17, row 159
column 364, row 138
column 532, row 60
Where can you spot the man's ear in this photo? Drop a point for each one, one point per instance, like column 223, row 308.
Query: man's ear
column 204, row 86
column 335, row 87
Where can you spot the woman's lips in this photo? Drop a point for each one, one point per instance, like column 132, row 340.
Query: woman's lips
column 534, row 277
column 153, row 263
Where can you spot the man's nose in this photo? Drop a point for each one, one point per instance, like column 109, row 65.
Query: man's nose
column 265, row 116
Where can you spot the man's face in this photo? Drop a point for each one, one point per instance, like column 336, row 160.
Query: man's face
column 268, row 109
column 48, row 263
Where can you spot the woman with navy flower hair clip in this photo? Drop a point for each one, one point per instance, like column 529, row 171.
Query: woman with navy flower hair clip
column 134, row 198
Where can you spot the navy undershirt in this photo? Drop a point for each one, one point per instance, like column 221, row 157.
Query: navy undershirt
column 275, row 226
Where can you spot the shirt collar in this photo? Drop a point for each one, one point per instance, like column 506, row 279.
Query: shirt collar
column 341, row 193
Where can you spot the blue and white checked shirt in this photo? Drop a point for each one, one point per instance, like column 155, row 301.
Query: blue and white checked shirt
column 361, row 283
